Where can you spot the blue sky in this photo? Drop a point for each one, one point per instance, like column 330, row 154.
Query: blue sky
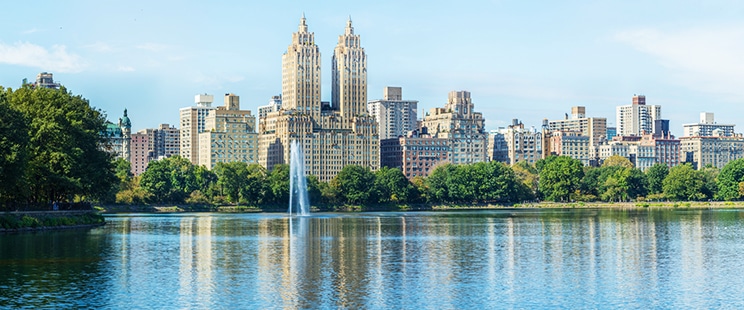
column 520, row 59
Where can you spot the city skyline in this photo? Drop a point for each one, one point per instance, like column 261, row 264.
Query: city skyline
column 514, row 58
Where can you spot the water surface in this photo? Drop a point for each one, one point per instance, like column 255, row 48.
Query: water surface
column 431, row 260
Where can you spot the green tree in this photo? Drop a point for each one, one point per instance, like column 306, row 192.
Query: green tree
column 255, row 188
column 65, row 160
column 279, row 183
column 729, row 180
column 230, row 179
column 617, row 160
column 172, row 179
column 560, row 176
column 392, row 185
column 355, row 184
column 437, row 184
column 655, row 177
column 528, row 175
column 684, row 183
column 14, row 141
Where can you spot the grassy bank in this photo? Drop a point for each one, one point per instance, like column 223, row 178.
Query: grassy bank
column 18, row 221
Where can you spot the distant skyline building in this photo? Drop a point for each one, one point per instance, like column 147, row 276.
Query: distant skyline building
column 332, row 135
column 141, row 152
column 641, row 155
column 637, row 118
column 716, row 150
column 44, row 80
column 119, row 137
column 416, row 155
column 706, row 126
column 395, row 117
column 463, row 127
column 193, row 122
column 229, row 135
column 275, row 104
column 573, row 144
column 593, row 127
column 524, row 144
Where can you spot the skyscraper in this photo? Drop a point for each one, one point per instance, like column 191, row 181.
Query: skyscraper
column 462, row 126
column 332, row 136
column 637, row 118
column 193, row 122
column 395, row 116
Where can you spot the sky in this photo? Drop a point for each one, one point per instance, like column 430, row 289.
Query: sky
column 524, row 60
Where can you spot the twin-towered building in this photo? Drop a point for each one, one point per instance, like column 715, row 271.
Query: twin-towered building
column 349, row 130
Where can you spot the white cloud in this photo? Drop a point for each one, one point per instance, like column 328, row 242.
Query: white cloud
column 100, row 47
column 705, row 58
column 152, row 47
column 56, row 59
column 125, row 69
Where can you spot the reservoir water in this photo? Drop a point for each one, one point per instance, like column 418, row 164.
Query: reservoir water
column 577, row 258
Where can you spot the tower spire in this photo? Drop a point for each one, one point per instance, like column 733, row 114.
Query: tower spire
column 349, row 28
column 303, row 25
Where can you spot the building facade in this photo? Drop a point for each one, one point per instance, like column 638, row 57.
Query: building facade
column 572, row 144
column 706, row 126
column 666, row 148
column 637, row 118
column 119, row 137
column 332, row 135
column 193, row 121
column 593, row 127
column 523, row 144
column 416, row 155
column 275, row 103
column 141, row 152
column 230, row 135
column 714, row 150
column 642, row 156
column 463, row 127
column 395, row 117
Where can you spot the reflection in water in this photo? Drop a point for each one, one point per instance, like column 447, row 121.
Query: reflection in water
column 522, row 259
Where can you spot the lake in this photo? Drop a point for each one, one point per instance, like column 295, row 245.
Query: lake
column 542, row 258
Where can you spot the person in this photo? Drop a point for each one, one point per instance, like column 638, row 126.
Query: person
column 55, row 206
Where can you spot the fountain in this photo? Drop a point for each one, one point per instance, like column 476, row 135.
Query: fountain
column 298, row 196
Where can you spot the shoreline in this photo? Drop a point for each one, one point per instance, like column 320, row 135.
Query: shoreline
column 157, row 209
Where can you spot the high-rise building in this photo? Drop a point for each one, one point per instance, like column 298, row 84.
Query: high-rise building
column 716, row 150
column 572, row 144
column 193, row 122
column 229, row 135
column 706, row 126
column 666, row 148
column 641, row 155
column 523, row 144
column 141, row 152
column 395, row 116
column 593, row 127
column 637, row 118
column 463, row 127
column 497, row 147
column 332, row 135
column 274, row 105
column 416, row 154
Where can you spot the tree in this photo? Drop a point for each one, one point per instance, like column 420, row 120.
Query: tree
column 560, row 176
column 528, row 175
column 14, row 141
column 255, row 187
column 655, row 177
column 230, row 179
column 172, row 179
column 279, row 183
column 392, row 185
column 353, row 184
column 437, row 184
column 729, row 180
column 65, row 160
column 617, row 160
column 684, row 183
